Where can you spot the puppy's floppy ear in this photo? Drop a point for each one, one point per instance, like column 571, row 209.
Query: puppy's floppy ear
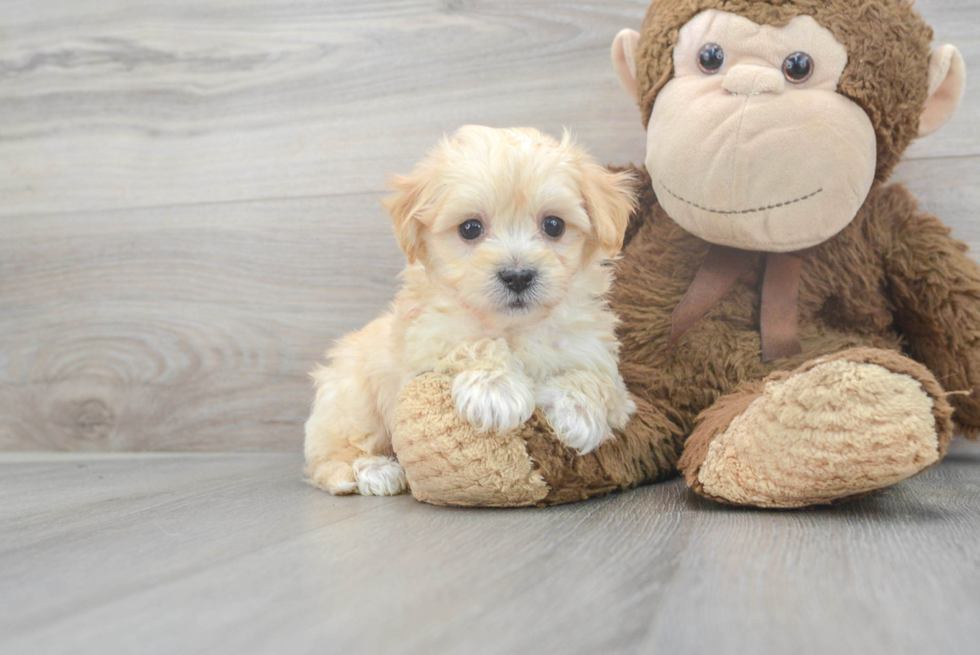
column 609, row 200
column 412, row 196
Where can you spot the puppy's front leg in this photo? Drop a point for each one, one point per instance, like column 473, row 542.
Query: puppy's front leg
column 490, row 390
column 584, row 407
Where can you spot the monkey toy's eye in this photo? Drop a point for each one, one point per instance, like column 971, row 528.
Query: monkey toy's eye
column 798, row 67
column 471, row 229
column 711, row 58
column 553, row 226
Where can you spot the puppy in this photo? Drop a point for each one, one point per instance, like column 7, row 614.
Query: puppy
column 508, row 234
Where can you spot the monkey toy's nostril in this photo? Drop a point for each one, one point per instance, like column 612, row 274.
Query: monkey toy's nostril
column 517, row 280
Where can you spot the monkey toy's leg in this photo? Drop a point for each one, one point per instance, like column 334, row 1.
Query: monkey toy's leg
column 935, row 287
column 448, row 462
column 836, row 428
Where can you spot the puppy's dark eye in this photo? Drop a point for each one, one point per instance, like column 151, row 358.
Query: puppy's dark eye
column 711, row 58
column 798, row 67
column 553, row 226
column 471, row 229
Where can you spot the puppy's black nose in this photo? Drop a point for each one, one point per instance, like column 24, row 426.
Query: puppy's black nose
column 517, row 280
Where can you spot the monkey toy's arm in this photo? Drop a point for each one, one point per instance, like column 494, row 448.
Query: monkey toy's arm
column 935, row 287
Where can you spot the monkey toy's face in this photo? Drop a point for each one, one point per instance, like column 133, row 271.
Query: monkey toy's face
column 749, row 143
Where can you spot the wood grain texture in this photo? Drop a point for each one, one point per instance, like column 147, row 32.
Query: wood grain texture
column 117, row 103
column 122, row 104
column 233, row 553
column 189, row 189
column 183, row 328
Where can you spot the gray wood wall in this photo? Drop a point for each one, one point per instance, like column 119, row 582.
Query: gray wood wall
column 189, row 188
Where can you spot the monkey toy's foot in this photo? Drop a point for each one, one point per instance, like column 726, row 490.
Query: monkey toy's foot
column 838, row 427
column 448, row 462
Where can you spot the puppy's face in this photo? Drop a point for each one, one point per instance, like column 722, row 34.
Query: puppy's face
column 505, row 219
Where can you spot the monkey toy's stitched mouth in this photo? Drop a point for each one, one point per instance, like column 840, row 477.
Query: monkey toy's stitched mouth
column 741, row 211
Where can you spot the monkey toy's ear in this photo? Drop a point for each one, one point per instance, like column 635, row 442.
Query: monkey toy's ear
column 624, row 60
column 947, row 77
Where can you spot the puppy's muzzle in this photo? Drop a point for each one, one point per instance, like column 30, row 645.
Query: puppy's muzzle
column 517, row 280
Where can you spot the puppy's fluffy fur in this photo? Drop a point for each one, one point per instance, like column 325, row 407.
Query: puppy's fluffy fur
column 515, row 314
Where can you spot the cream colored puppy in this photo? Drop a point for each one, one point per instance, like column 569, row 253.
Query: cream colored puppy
column 508, row 234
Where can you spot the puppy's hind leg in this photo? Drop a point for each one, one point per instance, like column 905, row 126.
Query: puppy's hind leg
column 330, row 453
column 347, row 445
column 339, row 455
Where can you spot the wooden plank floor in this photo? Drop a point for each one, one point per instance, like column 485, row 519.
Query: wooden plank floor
column 232, row 553
column 189, row 188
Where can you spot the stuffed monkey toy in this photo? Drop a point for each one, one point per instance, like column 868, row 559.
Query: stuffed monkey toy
column 795, row 331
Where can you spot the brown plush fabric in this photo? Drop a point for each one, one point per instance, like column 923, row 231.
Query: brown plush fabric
column 892, row 279
column 936, row 295
column 942, row 410
column 826, row 475
column 448, row 463
column 711, row 423
column 647, row 451
column 887, row 44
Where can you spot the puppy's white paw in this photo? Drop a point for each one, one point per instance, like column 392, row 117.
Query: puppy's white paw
column 497, row 401
column 577, row 421
column 379, row 476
